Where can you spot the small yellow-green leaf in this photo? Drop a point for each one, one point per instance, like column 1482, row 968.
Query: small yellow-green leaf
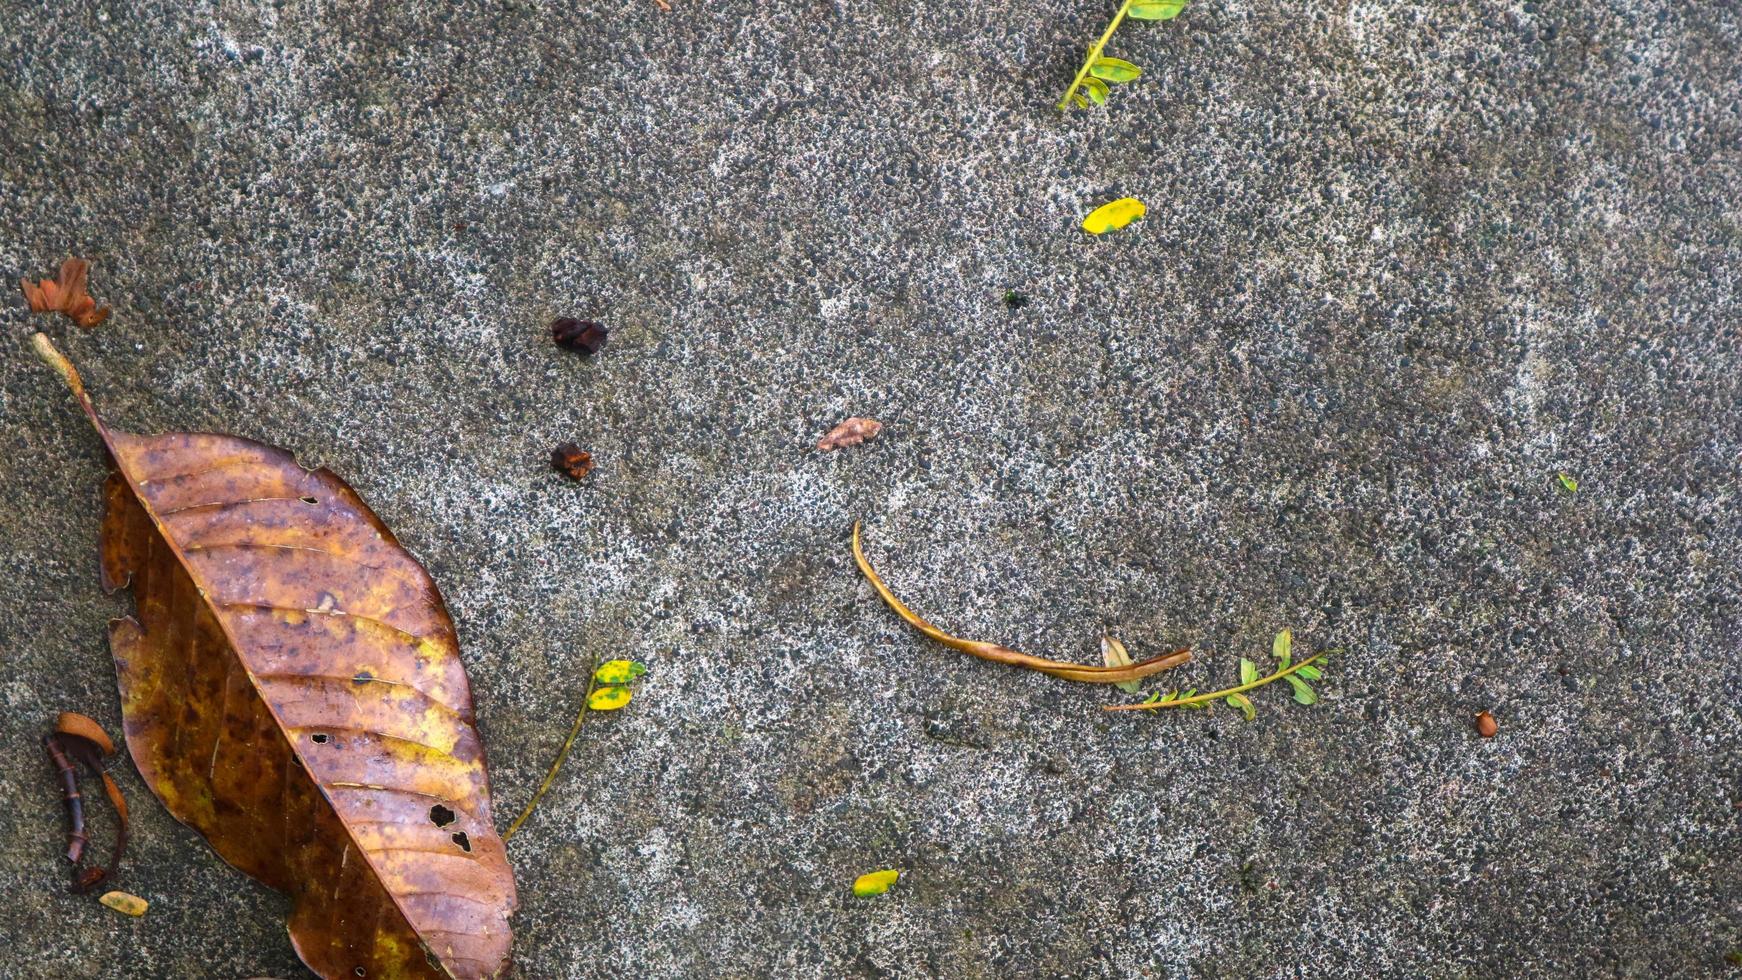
column 608, row 698
column 1114, row 70
column 124, row 903
column 1311, row 672
column 1282, row 648
column 1156, row 10
column 1096, row 88
column 1571, row 484
column 1113, row 652
column 1303, row 691
column 1116, row 214
column 1081, row 102
column 875, row 883
column 1248, row 671
column 619, row 671
column 1244, row 703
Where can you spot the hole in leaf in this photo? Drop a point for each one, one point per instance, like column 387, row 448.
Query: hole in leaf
column 440, row 815
column 311, row 500
column 465, row 843
column 363, row 677
column 319, row 738
column 360, row 972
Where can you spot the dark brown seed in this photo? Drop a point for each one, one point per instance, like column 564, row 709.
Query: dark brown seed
column 1486, row 726
column 573, row 460
column 581, row 336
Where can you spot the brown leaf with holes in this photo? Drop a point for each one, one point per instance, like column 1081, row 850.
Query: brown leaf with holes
column 66, row 294
column 850, row 433
column 292, row 689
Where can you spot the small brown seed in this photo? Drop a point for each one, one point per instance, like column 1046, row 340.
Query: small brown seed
column 1486, row 726
column 581, row 336
column 573, row 460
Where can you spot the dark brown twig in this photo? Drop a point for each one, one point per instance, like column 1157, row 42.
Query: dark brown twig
column 77, row 738
column 69, row 781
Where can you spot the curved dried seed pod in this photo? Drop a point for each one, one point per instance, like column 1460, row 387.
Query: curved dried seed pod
column 293, row 691
column 1005, row 655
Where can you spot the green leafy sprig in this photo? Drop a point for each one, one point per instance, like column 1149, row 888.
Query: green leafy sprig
column 1098, row 70
column 1295, row 674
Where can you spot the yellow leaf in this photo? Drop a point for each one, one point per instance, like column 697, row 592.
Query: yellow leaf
column 618, row 671
column 608, row 698
column 124, row 903
column 875, row 883
column 1115, row 215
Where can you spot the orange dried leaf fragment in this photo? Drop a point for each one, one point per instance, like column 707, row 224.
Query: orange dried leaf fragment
column 65, row 294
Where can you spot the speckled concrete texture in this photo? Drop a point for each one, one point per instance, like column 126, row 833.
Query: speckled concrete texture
column 1404, row 262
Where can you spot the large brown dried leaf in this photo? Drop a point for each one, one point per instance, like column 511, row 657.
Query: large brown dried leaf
column 293, row 691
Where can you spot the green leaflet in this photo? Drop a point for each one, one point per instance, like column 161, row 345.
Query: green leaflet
column 1282, row 648
column 1156, row 10
column 1571, row 484
column 1245, row 705
column 1311, row 672
column 1115, row 70
column 1096, row 88
column 1303, row 691
column 1248, row 671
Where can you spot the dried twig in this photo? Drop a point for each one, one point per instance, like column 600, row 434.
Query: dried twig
column 1005, row 655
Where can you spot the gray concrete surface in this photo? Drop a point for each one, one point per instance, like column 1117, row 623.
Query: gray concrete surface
column 1403, row 263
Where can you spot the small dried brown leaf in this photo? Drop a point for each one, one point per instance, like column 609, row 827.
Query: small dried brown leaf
column 573, row 460
column 850, row 433
column 581, row 336
column 65, row 294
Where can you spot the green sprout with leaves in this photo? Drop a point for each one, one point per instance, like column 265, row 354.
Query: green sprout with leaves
column 1295, row 674
column 1098, row 70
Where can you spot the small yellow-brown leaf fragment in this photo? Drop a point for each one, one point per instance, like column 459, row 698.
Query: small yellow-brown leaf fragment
column 1114, row 655
column 875, row 883
column 125, row 904
column 1116, row 214
column 850, row 433
column 608, row 698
